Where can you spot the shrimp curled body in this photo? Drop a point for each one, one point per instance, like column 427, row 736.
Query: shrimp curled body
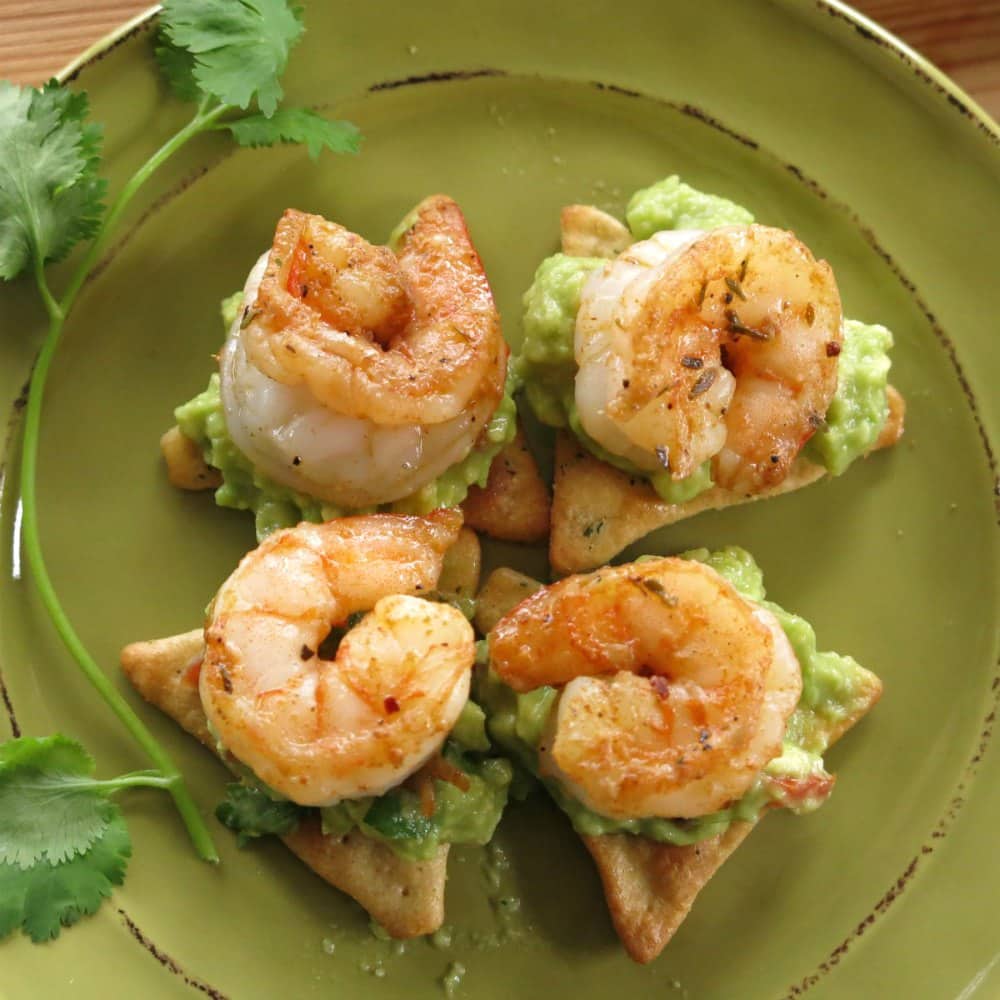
column 674, row 690
column 357, row 374
column 320, row 730
column 718, row 346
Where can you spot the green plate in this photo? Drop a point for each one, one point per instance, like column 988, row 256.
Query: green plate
column 817, row 121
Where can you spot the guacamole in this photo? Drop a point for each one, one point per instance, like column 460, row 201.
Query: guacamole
column 276, row 506
column 860, row 407
column 466, row 808
column 833, row 687
column 672, row 204
column 546, row 364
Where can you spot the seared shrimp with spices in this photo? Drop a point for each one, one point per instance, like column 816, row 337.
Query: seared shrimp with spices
column 674, row 690
column 357, row 374
column 318, row 730
column 722, row 346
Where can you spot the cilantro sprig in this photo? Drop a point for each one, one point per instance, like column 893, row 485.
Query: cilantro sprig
column 63, row 844
column 55, row 872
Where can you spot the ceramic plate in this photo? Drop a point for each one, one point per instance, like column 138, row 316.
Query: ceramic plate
column 816, row 121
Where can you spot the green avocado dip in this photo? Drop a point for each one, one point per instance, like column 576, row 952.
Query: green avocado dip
column 466, row 805
column 546, row 365
column 835, row 689
column 275, row 506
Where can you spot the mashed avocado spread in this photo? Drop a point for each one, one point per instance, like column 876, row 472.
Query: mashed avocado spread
column 833, row 688
column 547, row 368
column 466, row 808
column 276, row 506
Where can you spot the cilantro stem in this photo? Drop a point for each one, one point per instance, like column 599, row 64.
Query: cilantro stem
column 53, row 308
column 169, row 777
column 203, row 120
column 134, row 779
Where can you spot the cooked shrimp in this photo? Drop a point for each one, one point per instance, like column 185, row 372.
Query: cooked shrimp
column 356, row 375
column 675, row 690
column 720, row 346
column 320, row 730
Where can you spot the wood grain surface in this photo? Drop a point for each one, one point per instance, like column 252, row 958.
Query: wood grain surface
column 38, row 37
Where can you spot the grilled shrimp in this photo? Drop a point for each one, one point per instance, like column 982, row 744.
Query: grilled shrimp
column 674, row 689
column 358, row 375
column 716, row 346
column 320, row 730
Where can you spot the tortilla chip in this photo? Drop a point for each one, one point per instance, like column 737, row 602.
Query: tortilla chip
column 893, row 429
column 586, row 231
column 405, row 897
column 186, row 468
column 650, row 887
column 597, row 510
column 461, row 566
column 503, row 591
column 514, row 504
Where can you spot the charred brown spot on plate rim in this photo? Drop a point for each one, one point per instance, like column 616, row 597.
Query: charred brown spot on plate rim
column 916, row 65
column 15, row 729
column 440, row 76
column 137, row 29
column 167, row 962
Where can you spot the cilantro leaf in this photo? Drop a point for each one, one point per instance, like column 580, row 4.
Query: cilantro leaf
column 177, row 67
column 46, row 897
column 41, row 778
column 250, row 812
column 240, row 47
column 296, row 125
column 50, row 194
column 63, row 843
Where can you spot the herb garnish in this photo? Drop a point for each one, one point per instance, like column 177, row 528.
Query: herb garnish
column 226, row 57
column 737, row 328
column 734, row 286
column 651, row 585
column 63, row 842
column 704, row 382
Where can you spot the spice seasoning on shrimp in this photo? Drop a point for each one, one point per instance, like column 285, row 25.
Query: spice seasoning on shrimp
column 736, row 660
column 734, row 286
column 704, row 382
column 317, row 736
column 763, row 369
column 376, row 366
column 740, row 329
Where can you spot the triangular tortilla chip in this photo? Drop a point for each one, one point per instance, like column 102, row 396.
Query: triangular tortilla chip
column 514, row 504
column 597, row 510
column 405, row 897
column 186, row 467
column 650, row 887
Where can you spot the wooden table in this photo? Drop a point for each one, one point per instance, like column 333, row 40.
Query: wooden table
column 962, row 37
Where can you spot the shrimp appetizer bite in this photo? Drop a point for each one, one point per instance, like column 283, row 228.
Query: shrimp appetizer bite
column 705, row 365
column 666, row 706
column 354, row 377
column 333, row 676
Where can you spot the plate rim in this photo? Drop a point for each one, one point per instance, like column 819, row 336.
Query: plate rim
column 870, row 31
